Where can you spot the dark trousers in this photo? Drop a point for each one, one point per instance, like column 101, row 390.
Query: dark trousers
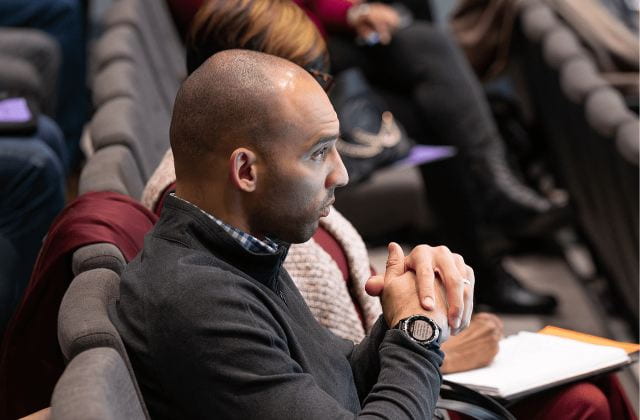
column 440, row 101
column 32, row 189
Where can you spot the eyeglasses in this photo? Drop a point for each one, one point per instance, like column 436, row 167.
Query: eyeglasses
column 324, row 79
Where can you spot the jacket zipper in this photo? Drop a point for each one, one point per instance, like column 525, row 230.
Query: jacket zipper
column 281, row 294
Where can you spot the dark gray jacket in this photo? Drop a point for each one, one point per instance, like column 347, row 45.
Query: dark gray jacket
column 215, row 331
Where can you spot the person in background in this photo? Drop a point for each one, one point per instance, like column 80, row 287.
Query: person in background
column 462, row 119
column 64, row 20
column 32, row 187
column 33, row 156
column 329, row 269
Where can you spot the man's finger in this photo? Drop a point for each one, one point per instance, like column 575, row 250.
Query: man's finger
column 468, row 297
column 420, row 262
column 466, row 315
column 374, row 285
column 453, row 280
column 395, row 262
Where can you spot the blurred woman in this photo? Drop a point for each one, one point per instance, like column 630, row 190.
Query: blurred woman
column 462, row 200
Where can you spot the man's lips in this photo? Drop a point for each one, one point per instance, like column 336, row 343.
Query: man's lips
column 327, row 208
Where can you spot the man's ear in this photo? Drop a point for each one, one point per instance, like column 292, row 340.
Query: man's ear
column 242, row 169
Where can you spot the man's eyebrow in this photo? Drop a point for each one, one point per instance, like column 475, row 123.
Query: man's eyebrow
column 325, row 139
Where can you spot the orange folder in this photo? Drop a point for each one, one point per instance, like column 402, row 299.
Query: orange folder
column 588, row 338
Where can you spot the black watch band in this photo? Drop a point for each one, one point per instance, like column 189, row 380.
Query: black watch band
column 421, row 329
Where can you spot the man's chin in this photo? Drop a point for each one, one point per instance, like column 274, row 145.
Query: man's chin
column 304, row 234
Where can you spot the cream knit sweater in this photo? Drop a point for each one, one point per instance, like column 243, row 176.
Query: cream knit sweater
column 315, row 273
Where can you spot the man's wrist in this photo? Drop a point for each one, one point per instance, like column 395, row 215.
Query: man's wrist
column 421, row 329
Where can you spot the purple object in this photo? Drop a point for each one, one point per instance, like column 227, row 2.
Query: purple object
column 421, row 154
column 14, row 110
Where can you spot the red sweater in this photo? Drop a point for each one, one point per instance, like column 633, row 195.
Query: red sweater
column 30, row 359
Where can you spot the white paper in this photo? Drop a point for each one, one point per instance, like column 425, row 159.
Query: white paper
column 531, row 360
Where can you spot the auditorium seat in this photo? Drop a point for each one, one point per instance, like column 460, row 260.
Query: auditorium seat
column 112, row 168
column 592, row 139
column 84, row 318
column 96, row 385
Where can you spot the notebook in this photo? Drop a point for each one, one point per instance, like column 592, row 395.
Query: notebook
column 530, row 362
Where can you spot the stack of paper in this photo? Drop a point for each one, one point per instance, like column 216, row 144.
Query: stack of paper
column 529, row 362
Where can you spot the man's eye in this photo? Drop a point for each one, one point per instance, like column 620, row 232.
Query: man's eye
column 320, row 154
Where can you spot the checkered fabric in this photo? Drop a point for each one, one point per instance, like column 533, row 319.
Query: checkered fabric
column 248, row 242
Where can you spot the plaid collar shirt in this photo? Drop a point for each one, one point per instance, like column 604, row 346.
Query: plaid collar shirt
column 248, row 242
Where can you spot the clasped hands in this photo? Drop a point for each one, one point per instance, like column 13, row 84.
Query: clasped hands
column 431, row 281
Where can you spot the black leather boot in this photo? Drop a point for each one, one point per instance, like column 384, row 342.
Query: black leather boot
column 507, row 202
column 448, row 197
column 454, row 110
column 500, row 290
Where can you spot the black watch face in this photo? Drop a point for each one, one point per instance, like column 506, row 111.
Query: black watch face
column 421, row 330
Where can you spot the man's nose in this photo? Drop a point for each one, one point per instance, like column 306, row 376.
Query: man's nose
column 338, row 177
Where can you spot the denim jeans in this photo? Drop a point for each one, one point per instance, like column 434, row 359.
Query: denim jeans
column 64, row 20
column 32, row 179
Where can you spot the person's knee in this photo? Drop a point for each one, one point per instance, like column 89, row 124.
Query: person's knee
column 586, row 401
column 51, row 135
column 425, row 36
column 32, row 178
column 427, row 53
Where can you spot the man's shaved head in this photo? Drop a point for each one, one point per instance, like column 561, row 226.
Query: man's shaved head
column 232, row 100
column 253, row 140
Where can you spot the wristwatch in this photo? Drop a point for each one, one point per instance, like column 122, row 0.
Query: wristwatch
column 421, row 329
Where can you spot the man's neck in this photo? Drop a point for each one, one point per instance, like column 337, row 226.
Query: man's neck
column 226, row 209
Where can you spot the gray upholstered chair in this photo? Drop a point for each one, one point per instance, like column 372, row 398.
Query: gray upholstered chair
column 84, row 321
column 159, row 38
column 559, row 46
column 114, row 169
column 30, row 64
column 121, row 68
column 537, row 20
column 139, row 65
column 96, row 385
column 136, row 125
column 99, row 255
column 593, row 141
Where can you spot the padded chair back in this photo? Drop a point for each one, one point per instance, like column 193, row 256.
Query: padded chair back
column 593, row 140
column 159, row 39
column 83, row 320
column 96, row 385
column 100, row 255
column 123, row 70
column 140, row 64
column 112, row 168
column 128, row 122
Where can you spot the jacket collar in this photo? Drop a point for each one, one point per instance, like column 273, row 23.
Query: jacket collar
column 186, row 224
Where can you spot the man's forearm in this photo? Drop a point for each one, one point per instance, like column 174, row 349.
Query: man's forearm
column 365, row 360
column 408, row 382
column 388, row 365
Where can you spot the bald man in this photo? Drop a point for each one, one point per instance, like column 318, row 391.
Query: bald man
column 213, row 324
